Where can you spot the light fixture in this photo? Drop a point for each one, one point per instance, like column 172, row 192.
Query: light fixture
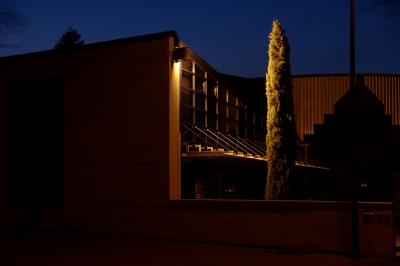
column 179, row 54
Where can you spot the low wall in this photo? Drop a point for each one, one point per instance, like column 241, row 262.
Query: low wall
column 301, row 225
column 323, row 226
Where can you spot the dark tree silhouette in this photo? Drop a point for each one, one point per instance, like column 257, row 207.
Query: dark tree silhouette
column 71, row 38
column 281, row 130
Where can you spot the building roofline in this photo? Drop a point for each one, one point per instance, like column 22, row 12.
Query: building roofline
column 172, row 33
column 138, row 38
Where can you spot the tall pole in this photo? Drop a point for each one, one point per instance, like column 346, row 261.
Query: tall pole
column 352, row 44
column 354, row 172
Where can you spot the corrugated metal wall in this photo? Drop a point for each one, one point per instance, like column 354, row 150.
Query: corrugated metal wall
column 315, row 96
column 387, row 89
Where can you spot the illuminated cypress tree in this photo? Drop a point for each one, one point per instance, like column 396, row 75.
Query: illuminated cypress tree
column 281, row 131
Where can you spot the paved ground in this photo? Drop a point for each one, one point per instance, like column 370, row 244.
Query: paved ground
column 76, row 250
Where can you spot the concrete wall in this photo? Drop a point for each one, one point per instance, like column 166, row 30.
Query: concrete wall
column 116, row 138
column 301, row 225
column 305, row 225
column 116, row 131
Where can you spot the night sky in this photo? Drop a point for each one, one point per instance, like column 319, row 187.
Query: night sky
column 232, row 35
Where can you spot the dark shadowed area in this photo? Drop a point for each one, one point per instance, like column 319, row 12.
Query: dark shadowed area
column 106, row 250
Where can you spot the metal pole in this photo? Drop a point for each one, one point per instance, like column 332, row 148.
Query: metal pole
column 354, row 172
column 352, row 44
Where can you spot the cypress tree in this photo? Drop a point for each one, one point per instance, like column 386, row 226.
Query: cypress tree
column 281, row 131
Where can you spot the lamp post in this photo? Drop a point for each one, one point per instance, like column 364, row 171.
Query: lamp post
column 352, row 44
column 354, row 172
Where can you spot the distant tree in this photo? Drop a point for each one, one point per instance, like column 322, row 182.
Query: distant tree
column 71, row 38
column 281, row 130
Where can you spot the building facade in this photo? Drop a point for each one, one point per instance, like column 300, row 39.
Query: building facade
column 107, row 136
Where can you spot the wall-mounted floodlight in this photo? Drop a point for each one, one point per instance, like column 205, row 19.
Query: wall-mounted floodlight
column 179, row 54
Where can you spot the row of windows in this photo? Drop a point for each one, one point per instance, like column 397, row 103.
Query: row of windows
column 205, row 85
column 206, row 104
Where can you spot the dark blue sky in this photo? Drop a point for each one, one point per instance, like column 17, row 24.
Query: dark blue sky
column 232, row 35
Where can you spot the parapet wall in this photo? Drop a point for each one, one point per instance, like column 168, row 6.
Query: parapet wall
column 300, row 225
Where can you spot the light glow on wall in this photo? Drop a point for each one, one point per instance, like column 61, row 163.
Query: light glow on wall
column 174, row 132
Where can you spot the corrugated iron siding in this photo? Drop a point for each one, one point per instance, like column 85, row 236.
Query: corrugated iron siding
column 387, row 89
column 315, row 96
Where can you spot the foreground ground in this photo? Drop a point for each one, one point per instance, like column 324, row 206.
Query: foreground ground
column 76, row 250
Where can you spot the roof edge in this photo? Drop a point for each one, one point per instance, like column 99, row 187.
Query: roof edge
column 157, row 35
